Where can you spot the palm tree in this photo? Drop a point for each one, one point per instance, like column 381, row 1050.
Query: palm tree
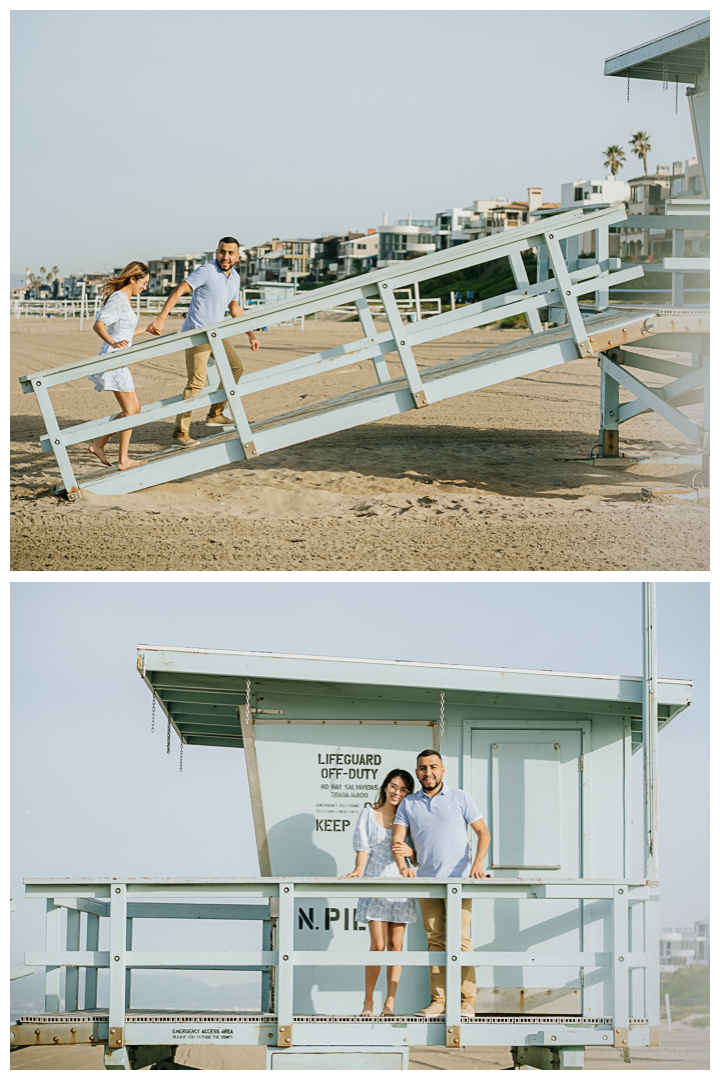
column 640, row 145
column 55, row 271
column 42, row 271
column 614, row 158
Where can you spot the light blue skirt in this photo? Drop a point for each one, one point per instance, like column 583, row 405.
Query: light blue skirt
column 385, row 910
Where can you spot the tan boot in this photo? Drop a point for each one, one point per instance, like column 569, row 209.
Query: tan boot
column 435, row 1008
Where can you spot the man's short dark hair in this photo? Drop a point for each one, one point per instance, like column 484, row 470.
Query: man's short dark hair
column 229, row 240
column 428, row 753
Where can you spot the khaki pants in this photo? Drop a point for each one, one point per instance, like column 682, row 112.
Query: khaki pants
column 196, row 363
column 434, row 921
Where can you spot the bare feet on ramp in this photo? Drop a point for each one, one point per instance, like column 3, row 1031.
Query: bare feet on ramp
column 99, row 453
column 130, row 465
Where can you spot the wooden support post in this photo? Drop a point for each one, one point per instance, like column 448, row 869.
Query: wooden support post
column 284, row 986
column 569, row 300
column 92, row 939
column 366, row 321
column 453, row 941
column 678, row 280
column 118, row 967
column 72, row 974
column 128, row 946
column 404, row 351
column 609, row 413
column 620, row 981
column 521, row 280
column 53, row 430
column 52, row 944
column 602, row 254
column 650, row 730
column 234, row 400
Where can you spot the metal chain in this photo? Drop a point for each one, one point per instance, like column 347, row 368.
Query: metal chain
column 628, row 89
column 152, row 726
column 181, row 754
column 442, row 713
column 665, row 77
column 676, row 94
column 247, row 701
column 707, row 56
column 168, row 736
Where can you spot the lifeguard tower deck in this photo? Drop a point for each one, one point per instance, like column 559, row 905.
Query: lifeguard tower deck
column 565, row 937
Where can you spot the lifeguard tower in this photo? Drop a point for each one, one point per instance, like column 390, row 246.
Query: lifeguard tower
column 566, row 937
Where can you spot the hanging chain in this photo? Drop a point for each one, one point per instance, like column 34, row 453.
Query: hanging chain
column 628, row 89
column 707, row 56
column 247, row 701
column 181, row 754
column 168, row 736
column 442, row 713
column 152, row 726
column 676, row 94
column 665, row 73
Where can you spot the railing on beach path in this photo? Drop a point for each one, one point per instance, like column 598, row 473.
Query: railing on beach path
column 624, row 914
column 387, row 396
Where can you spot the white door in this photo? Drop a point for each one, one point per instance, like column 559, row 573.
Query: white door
column 527, row 782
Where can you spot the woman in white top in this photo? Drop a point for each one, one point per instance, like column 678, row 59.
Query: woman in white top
column 386, row 917
column 116, row 324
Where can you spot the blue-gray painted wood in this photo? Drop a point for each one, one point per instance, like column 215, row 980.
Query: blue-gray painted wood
column 412, row 391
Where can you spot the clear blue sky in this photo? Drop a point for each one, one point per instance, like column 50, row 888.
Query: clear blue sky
column 94, row 794
column 142, row 133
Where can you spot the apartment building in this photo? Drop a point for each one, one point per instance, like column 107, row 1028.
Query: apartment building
column 406, row 239
column 358, row 254
column 170, row 270
column 684, row 945
column 647, row 197
column 278, row 260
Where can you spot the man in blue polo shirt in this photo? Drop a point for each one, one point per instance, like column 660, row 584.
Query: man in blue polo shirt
column 215, row 289
column 438, row 817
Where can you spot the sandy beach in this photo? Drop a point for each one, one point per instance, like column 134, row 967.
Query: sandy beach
column 473, row 483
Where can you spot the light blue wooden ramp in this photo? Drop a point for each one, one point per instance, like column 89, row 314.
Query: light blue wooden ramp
column 584, row 334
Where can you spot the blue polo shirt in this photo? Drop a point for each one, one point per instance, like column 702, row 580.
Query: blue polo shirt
column 438, row 827
column 212, row 292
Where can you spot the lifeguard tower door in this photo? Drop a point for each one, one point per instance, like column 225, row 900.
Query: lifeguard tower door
column 527, row 781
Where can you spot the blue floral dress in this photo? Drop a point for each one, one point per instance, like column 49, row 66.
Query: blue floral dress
column 120, row 320
column 376, row 841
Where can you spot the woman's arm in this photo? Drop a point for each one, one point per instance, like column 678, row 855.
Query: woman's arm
column 361, row 858
column 398, row 842
column 101, row 330
column 141, row 329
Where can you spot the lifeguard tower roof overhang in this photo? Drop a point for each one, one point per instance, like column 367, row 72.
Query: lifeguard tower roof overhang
column 201, row 691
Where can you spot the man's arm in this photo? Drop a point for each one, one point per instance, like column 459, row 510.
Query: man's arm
column 398, row 837
column 483, row 834
column 235, row 312
column 158, row 324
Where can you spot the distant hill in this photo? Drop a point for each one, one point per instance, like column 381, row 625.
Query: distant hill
column 688, row 986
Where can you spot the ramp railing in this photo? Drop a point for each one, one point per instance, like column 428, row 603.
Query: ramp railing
column 563, row 288
column 630, row 938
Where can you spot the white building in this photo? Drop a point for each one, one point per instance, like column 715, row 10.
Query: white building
column 683, row 945
column 587, row 192
column 406, row 239
column 358, row 254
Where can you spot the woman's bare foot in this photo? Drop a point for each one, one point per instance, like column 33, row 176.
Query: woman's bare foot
column 99, row 452
column 129, row 464
column 388, row 1008
column 367, row 1009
